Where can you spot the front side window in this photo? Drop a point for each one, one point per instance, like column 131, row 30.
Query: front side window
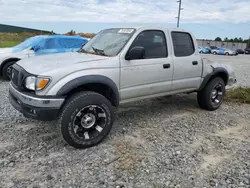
column 183, row 44
column 50, row 44
column 70, row 43
column 108, row 42
column 154, row 43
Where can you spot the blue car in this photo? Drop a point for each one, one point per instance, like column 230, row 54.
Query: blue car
column 203, row 50
column 36, row 46
column 48, row 44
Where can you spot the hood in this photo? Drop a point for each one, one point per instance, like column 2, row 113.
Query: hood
column 5, row 50
column 45, row 63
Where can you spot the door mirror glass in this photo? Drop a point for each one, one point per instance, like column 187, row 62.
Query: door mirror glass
column 35, row 48
column 136, row 52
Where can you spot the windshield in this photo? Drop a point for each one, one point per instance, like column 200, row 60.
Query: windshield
column 28, row 43
column 108, row 42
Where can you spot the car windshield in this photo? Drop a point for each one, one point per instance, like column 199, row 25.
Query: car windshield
column 108, row 42
column 28, row 43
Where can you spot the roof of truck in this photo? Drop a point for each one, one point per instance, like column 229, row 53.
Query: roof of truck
column 151, row 27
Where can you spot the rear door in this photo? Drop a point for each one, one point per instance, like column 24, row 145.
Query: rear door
column 187, row 62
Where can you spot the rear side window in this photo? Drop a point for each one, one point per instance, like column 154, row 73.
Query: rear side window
column 183, row 44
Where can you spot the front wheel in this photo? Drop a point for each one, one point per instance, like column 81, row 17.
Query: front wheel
column 86, row 119
column 211, row 96
column 7, row 69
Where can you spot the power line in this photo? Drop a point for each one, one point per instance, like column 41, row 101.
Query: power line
column 179, row 13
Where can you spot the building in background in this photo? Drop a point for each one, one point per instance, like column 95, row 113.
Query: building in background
column 16, row 29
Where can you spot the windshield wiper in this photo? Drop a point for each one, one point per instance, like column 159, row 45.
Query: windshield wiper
column 82, row 51
column 99, row 51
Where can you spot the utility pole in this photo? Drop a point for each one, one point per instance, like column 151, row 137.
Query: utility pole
column 248, row 43
column 179, row 13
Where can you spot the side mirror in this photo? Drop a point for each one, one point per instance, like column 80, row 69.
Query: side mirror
column 35, row 48
column 137, row 52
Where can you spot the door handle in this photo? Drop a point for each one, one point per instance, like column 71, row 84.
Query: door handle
column 166, row 66
column 195, row 62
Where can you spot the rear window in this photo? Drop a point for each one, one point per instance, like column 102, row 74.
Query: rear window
column 183, row 44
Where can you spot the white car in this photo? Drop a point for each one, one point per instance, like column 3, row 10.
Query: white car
column 223, row 51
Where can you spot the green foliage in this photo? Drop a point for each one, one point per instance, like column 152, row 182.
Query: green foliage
column 217, row 39
column 240, row 94
column 6, row 44
column 235, row 40
column 12, row 39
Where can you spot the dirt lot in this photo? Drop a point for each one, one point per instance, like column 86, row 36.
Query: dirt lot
column 163, row 142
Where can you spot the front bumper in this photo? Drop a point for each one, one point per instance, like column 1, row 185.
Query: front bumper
column 35, row 107
column 232, row 81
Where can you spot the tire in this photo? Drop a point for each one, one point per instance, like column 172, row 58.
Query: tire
column 215, row 53
column 211, row 96
column 85, row 109
column 227, row 53
column 6, row 71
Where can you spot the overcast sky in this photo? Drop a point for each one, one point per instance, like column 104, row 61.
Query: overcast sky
column 205, row 18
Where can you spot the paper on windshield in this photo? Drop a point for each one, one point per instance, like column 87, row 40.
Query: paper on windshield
column 128, row 31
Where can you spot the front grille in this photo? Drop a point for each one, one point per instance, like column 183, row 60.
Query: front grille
column 14, row 77
column 18, row 76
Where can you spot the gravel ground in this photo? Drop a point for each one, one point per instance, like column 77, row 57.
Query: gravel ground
column 163, row 142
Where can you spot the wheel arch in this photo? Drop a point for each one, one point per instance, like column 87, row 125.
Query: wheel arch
column 6, row 61
column 96, row 83
column 218, row 72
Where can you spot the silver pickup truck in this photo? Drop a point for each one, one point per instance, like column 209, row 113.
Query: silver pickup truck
column 118, row 65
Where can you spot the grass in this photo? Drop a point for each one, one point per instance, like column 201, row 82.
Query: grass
column 240, row 94
column 12, row 39
column 6, row 44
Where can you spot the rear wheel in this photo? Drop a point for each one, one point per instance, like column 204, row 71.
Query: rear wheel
column 215, row 53
column 86, row 119
column 7, row 69
column 226, row 53
column 211, row 96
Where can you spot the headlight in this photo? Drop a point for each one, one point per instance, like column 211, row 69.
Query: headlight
column 36, row 83
column 30, row 82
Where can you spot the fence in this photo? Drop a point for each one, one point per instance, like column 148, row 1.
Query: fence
column 229, row 45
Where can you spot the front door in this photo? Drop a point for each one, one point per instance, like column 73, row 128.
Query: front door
column 151, row 75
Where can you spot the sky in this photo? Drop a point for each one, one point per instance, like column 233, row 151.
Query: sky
column 207, row 19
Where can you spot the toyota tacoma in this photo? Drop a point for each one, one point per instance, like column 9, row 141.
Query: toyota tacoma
column 82, row 89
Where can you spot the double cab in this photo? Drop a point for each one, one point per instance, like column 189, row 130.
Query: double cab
column 82, row 89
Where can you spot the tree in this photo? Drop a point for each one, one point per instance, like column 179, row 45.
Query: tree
column 72, row 32
column 218, row 39
column 236, row 39
column 240, row 39
column 226, row 39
